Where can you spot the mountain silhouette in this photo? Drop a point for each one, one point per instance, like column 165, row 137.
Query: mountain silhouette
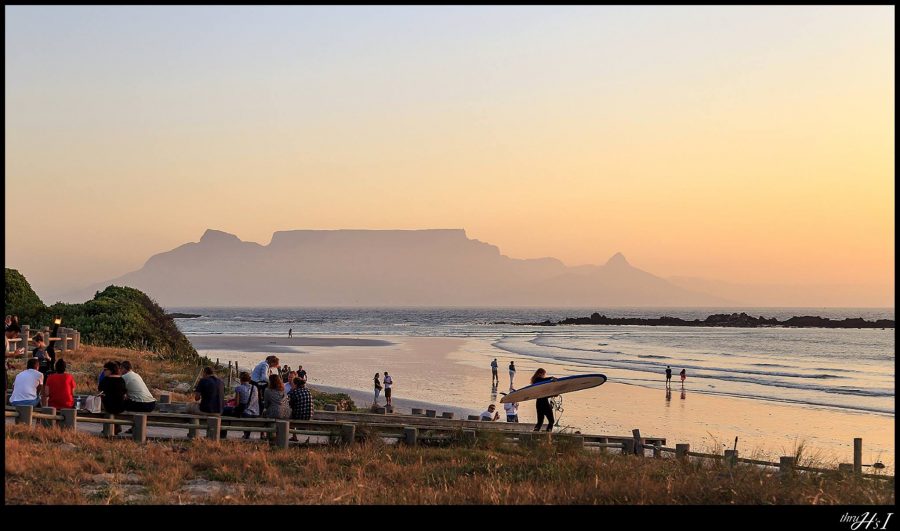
column 435, row 267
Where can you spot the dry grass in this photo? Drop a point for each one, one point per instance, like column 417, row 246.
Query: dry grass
column 375, row 473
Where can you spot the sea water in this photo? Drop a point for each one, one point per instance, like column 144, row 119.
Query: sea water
column 845, row 369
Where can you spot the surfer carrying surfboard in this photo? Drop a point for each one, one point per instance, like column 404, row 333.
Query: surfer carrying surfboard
column 544, row 409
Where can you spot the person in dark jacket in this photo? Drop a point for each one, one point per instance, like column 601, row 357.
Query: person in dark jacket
column 114, row 390
column 544, row 409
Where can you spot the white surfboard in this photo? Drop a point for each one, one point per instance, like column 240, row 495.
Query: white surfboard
column 566, row 384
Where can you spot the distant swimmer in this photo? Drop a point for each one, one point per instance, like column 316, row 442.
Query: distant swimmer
column 494, row 378
column 668, row 376
column 683, row 376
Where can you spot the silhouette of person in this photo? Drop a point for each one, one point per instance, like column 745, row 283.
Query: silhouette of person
column 683, row 376
column 668, row 376
column 290, row 332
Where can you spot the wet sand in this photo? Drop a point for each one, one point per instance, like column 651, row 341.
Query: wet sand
column 453, row 374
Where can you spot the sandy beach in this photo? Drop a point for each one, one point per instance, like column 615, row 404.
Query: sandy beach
column 453, row 374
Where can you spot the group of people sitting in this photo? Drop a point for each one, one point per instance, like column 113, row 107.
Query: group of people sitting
column 262, row 393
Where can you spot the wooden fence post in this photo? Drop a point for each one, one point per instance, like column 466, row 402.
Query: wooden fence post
column 628, row 447
column 731, row 457
column 47, row 423
column 213, row 428
column 195, row 425
column 657, row 449
column 681, row 450
column 282, row 427
column 70, row 418
column 410, row 435
column 24, row 336
column 603, row 440
column 348, row 433
column 857, row 455
column 109, row 429
column 64, row 339
column 139, row 428
column 786, row 465
column 638, row 443
column 24, row 415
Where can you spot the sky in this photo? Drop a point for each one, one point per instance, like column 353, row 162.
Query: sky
column 749, row 144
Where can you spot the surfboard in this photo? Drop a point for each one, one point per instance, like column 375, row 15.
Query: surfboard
column 566, row 384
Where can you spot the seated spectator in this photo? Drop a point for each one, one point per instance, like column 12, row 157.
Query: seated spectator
column 210, row 392
column 300, row 400
column 491, row 414
column 113, row 388
column 277, row 405
column 139, row 397
column 288, row 383
column 28, row 386
column 246, row 401
column 59, row 391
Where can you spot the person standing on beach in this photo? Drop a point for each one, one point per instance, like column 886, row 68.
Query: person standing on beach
column 512, row 410
column 290, row 332
column 494, row 378
column 544, row 409
column 388, row 382
column 377, row 387
column 683, row 376
column 668, row 376
column 512, row 373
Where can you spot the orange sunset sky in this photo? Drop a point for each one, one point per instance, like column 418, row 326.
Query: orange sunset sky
column 745, row 144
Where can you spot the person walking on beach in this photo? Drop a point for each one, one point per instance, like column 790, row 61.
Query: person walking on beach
column 544, row 409
column 683, row 376
column 377, row 387
column 388, row 382
column 512, row 373
column 290, row 332
column 668, row 376
column 494, row 378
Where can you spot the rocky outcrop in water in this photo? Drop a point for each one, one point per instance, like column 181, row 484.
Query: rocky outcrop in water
column 737, row 320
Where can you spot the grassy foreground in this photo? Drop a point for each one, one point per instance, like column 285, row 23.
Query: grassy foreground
column 80, row 468
column 85, row 469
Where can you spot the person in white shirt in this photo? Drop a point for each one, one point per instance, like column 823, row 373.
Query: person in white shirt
column 388, row 382
column 491, row 414
column 512, row 411
column 139, row 397
column 27, row 386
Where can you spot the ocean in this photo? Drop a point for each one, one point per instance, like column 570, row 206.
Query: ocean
column 845, row 369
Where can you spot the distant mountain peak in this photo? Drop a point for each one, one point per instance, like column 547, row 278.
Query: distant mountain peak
column 213, row 236
column 618, row 260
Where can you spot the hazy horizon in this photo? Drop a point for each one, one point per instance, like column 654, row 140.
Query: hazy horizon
column 746, row 145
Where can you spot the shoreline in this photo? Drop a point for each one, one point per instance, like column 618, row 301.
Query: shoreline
column 452, row 374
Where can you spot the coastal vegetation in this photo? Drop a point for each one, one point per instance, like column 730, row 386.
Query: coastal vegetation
column 115, row 317
column 91, row 470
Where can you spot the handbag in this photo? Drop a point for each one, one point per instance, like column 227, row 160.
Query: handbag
column 239, row 408
column 93, row 403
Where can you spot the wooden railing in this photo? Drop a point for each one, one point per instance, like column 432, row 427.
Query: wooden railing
column 67, row 338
